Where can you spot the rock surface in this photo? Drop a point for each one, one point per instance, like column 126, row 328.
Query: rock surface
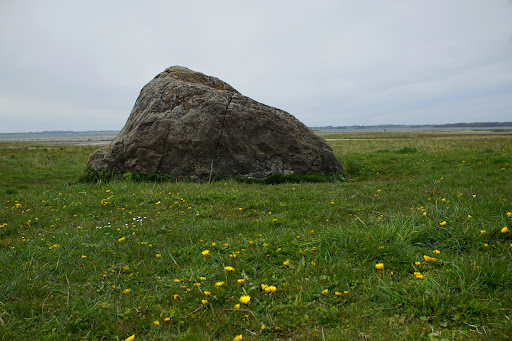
column 188, row 124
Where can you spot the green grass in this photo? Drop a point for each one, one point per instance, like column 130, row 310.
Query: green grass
column 331, row 233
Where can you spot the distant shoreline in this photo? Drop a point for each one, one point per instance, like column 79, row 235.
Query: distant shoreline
column 469, row 126
column 62, row 137
column 106, row 136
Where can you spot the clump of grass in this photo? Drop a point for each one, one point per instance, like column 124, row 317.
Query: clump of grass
column 407, row 150
column 101, row 175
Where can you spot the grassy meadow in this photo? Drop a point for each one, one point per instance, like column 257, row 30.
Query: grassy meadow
column 417, row 247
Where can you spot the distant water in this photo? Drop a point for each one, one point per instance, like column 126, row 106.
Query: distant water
column 105, row 137
column 324, row 130
column 63, row 137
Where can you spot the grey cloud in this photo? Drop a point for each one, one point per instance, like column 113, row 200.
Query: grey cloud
column 326, row 62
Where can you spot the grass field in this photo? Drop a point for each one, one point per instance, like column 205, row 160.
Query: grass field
column 415, row 248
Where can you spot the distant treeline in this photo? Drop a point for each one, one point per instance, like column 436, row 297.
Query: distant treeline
column 434, row 126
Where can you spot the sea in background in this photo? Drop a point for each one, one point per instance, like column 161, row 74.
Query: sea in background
column 482, row 126
column 106, row 137
column 63, row 137
column 401, row 129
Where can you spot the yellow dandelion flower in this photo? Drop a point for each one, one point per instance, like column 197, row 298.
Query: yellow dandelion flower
column 424, row 213
column 245, row 299
column 264, row 286
column 270, row 289
column 418, row 275
column 436, row 252
column 443, row 223
column 197, row 285
column 207, row 293
column 84, row 256
column 175, row 297
column 204, row 302
column 286, row 263
column 504, row 230
column 429, row 259
column 238, row 338
column 205, row 253
column 158, row 255
column 126, row 291
column 337, row 294
column 509, row 214
column 156, row 323
column 417, row 263
column 483, row 231
column 263, row 326
column 237, row 306
column 325, row 292
column 121, row 239
column 486, row 245
column 274, row 220
column 219, row 284
column 229, row 268
column 130, row 338
column 176, row 280
column 379, row 266
column 240, row 281
column 346, row 292
column 167, row 319
column 202, row 279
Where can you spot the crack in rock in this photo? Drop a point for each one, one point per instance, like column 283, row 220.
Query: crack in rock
column 222, row 128
column 166, row 143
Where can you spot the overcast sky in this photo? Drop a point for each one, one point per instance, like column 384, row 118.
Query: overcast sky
column 79, row 65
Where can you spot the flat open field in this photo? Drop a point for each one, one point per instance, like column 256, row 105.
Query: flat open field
column 417, row 247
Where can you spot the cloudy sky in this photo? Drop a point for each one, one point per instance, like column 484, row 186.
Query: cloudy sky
column 79, row 65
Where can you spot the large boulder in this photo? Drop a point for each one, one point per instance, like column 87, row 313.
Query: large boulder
column 188, row 124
